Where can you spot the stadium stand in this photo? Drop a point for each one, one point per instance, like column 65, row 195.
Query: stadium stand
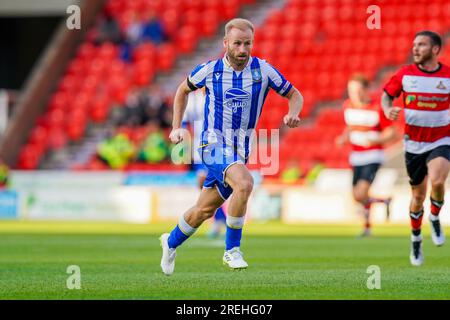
column 97, row 78
column 325, row 40
column 317, row 44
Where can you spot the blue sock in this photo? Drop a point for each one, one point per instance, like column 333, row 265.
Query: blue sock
column 234, row 232
column 233, row 238
column 180, row 233
column 176, row 238
column 220, row 215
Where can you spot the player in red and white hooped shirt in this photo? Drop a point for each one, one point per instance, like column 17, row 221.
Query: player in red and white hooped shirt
column 367, row 130
column 426, row 93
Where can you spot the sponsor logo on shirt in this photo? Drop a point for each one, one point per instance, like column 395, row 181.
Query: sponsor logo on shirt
column 237, row 98
column 433, row 98
column 430, row 105
column 410, row 98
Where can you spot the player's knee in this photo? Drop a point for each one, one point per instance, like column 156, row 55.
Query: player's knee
column 418, row 198
column 245, row 187
column 205, row 212
column 360, row 196
column 438, row 182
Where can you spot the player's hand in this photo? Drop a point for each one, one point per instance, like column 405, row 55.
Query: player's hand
column 393, row 113
column 291, row 121
column 176, row 136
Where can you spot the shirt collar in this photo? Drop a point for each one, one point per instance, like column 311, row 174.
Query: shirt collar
column 426, row 71
column 228, row 65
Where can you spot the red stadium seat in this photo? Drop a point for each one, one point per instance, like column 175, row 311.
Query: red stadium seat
column 99, row 108
column 57, row 138
column 118, row 88
column 209, row 23
column 28, row 158
column 166, row 57
column 39, row 137
column 170, row 22
column 107, row 52
column 145, row 51
column 187, row 39
column 230, row 9
column 86, row 51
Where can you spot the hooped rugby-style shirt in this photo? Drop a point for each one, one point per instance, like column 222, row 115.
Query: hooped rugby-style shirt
column 365, row 124
column 426, row 100
column 234, row 100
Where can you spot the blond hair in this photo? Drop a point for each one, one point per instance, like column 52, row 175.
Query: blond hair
column 239, row 23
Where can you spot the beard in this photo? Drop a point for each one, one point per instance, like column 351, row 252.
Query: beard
column 424, row 58
column 235, row 58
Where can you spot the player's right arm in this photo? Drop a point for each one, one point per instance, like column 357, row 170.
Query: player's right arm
column 196, row 80
column 391, row 90
column 179, row 106
column 390, row 111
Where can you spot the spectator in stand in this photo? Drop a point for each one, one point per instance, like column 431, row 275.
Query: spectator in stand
column 156, row 108
column 314, row 172
column 108, row 30
column 117, row 151
column 155, row 148
column 134, row 110
column 166, row 116
column 152, row 29
column 292, row 173
column 133, row 33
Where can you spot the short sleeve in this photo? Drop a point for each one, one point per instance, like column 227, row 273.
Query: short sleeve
column 277, row 81
column 394, row 86
column 197, row 78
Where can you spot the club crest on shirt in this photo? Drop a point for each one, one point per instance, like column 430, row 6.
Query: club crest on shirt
column 237, row 98
column 256, row 75
column 441, row 86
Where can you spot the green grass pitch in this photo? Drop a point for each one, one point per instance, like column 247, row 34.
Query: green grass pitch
column 121, row 261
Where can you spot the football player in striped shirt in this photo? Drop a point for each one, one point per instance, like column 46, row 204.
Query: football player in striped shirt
column 425, row 85
column 367, row 130
column 236, row 87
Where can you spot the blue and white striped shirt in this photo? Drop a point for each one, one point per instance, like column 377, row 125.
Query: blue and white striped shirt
column 234, row 100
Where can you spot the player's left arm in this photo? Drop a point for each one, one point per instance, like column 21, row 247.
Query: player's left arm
column 292, row 119
column 388, row 134
column 284, row 88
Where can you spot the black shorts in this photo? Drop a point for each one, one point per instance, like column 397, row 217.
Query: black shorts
column 416, row 164
column 366, row 172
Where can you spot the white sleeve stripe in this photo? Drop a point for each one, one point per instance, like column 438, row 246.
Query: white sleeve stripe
column 200, row 75
column 286, row 86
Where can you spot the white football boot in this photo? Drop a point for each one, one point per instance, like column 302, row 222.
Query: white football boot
column 234, row 259
column 168, row 255
column 437, row 233
column 416, row 256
